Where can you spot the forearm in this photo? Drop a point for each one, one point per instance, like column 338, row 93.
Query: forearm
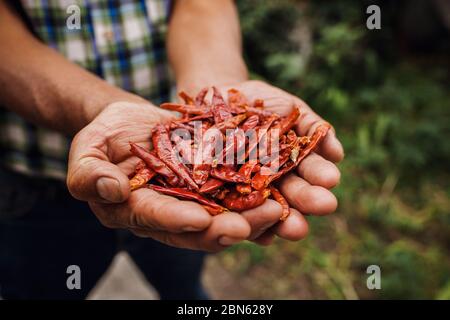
column 204, row 44
column 45, row 88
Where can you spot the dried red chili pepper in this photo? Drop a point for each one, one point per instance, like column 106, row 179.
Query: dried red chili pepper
column 204, row 116
column 318, row 135
column 141, row 177
column 244, row 188
column 260, row 112
column 250, row 123
column 291, row 137
column 235, row 143
column 219, row 108
column 247, row 168
column 184, row 148
column 260, row 181
column 187, row 194
column 186, row 98
column 214, row 211
column 282, row 201
column 258, row 103
column 239, row 202
column 288, row 122
column 203, row 158
column 179, row 125
column 155, row 163
column 184, row 108
column 261, row 135
column 239, row 185
column 200, row 98
column 225, row 173
column 140, row 165
column 230, row 123
column 278, row 130
column 221, row 194
column 236, row 100
column 211, row 185
column 166, row 153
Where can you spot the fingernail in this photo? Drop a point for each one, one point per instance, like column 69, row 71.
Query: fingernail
column 228, row 241
column 109, row 189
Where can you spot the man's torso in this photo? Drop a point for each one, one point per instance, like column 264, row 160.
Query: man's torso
column 122, row 42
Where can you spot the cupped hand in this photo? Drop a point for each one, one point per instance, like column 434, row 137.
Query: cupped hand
column 308, row 188
column 99, row 164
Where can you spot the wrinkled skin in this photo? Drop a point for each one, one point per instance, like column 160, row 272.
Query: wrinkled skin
column 307, row 189
column 101, row 150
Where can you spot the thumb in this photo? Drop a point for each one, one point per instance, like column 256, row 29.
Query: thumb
column 91, row 176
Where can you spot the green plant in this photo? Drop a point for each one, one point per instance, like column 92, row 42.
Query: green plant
column 391, row 109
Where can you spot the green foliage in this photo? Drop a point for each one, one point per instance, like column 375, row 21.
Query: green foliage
column 390, row 108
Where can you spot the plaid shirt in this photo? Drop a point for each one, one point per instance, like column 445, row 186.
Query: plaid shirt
column 122, row 42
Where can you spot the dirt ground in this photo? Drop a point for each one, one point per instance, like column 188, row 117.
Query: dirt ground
column 123, row 280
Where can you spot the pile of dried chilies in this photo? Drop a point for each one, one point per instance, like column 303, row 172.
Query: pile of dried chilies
column 193, row 169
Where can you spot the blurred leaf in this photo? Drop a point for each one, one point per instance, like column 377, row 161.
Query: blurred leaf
column 391, row 110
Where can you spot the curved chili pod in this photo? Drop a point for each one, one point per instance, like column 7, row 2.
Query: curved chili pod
column 221, row 194
column 179, row 125
column 211, row 185
column 247, row 168
column 184, row 108
column 258, row 103
column 236, row 99
column 155, row 163
column 140, row 165
column 288, row 122
column 238, row 202
column 238, row 190
column 220, row 110
column 187, row 194
column 214, row 211
column 262, row 134
column 230, row 123
column 166, row 153
column 204, row 116
column 291, row 137
column 260, row 112
column 244, row 188
column 276, row 194
column 143, row 176
column 183, row 148
column 200, row 98
column 234, row 146
column 203, row 157
column 260, row 181
column 186, row 98
column 226, row 173
column 316, row 138
column 250, row 123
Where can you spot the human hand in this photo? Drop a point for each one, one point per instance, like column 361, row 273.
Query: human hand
column 99, row 163
column 306, row 189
